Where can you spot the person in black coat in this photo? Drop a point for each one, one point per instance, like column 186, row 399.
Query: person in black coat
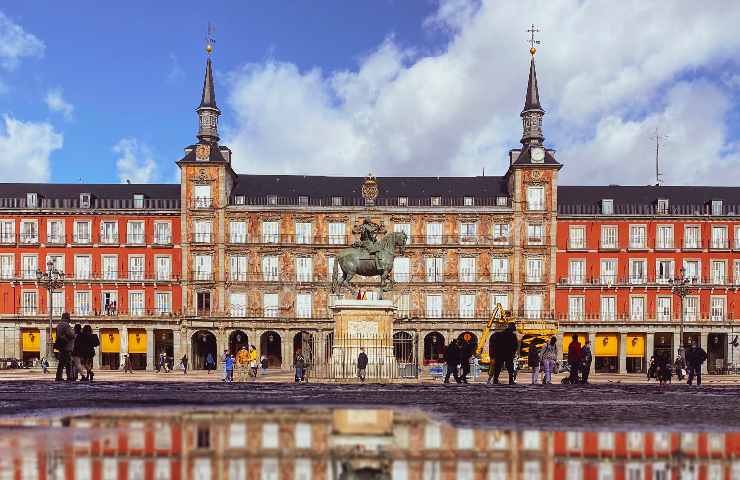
column 695, row 356
column 452, row 358
column 86, row 343
column 505, row 345
column 362, row 361
column 466, row 353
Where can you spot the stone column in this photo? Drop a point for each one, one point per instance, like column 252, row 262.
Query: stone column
column 592, row 339
column 560, row 346
column 649, row 346
column 704, row 343
column 622, row 352
column 43, row 334
column 150, row 360
column 677, row 341
column 123, row 332
column 98, row 358
column 177, row 350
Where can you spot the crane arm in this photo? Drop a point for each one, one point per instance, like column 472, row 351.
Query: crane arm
column 498, row 313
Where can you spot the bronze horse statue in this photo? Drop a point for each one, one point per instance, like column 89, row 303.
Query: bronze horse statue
column 356, row 261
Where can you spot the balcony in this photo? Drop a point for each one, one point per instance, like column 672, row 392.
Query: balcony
column 201, row 203
column 43, row 312
column 668, row 318
column 235, row 239
column 162, row 239
column 719, row 244
column 7, row 238
column 638, row 245
column 534, row 279
column 664, row 245
column 608, row 246
column 109, row 238
column 81, row 239
column 203, row 238
column 574, row 245
column 135, row 239
column 202, row 276
column 55, row 239
column 29, row 239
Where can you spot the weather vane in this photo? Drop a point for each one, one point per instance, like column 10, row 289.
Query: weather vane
column 209, row 38
column 532, row 42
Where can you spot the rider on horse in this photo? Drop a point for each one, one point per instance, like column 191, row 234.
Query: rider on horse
column 368, row 239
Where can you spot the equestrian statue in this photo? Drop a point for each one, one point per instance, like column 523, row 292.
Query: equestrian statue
column 368, row 257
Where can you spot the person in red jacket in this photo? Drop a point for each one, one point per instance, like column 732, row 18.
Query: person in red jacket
column 574, row 359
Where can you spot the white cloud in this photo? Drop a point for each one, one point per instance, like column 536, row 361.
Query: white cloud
column 135, row 161
column 25, row 148
column 607, row 74
column 16, row 43
column 56, row 103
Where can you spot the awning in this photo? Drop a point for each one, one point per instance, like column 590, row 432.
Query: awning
column 635, row 345
column 568, row 337
column 31, row 340
column 110, row 340
column 136, row 340
column 607, row 345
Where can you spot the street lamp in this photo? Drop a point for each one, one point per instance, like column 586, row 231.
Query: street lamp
column 680, row 286
column 51, row 279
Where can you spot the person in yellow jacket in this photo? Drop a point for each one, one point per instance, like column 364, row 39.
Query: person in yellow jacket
column 242, row 364
column 253, row 361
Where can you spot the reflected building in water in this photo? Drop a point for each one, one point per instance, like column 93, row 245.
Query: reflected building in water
column 324, row 444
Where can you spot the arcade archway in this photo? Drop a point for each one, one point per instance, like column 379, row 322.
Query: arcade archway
column 434, row 348
column 271, row 347
column 203, row 342
column 237, row 340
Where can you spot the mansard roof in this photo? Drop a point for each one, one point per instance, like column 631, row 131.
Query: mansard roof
column 643, row 200
column 104, row 195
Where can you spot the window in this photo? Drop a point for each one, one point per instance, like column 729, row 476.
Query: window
column 434, row 306
column 663, row 308
column 576, row 308
column 715, row 471
column 303, row 303
column 337, row 233
column 716, row 441
column 502, row 201
column 691, row 236
column 573, row 440
column 534, row 234
column 432, row 435
column 32, row 200
column 573, row 470
column 401, row 269
column 270, row 304
column 661, row 441
column 664, row 270
column 467, row 269
column 718, row 309
column 468, row 201
column 270, row 232
column 737, row 236
column 718, row 272
column 403, row 201
column 691, row 308
column 202, row 231
column 405, row 228
column 467, row 305
column 270, row 269
column 606, row 440
column 302, row 435
column 403, row 305
column 500, row 299
column 531, row 440
column 336, row 201
column 434, row 233
column 82, row 303
column 303, row 232
column 202, row 196
column 135, row 233
column 29, row 301
column 29, row 265
column 82, row 232
column 609, row 236
column 501, row 233
column 436, row 201
column 83, row 267
column 304, row 269
column 110, row 267
column 203, row 437
column 272, row 200
column 638, row 272
column 7, row 231
column 533, row 305
column 719, row 237
column 535, row 266
column 57, row 305
column 691, row 270
column 162, row 303
column 467, row 233
column 136, row 267
column 435, row 270
column 108, row 232
column 109, row 302
column 664, row 236
column 532, row 470
column 29, row 231
column 688, row 441
column 737, row 272
column 162, row 233
column 239, row 200
column 662, row 206
column 577, row 237
column 238, row 304
column 661, row 471
column 716, row 207
column 55, row 232
column 607, row 206
column 638, row 235
column 7, row 266
column 303, row 200
column 535, row 198
column 637, row 308
column 163, row 268
column 238, row 231
column 238, row 268
column 136, row 303
column 608, row 308
column 138, row 200
column 576, row 272
column 499, row 269
column 202, row 267
column 635, row 441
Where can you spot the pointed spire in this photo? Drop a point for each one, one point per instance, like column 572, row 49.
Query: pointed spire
column 208, row 111
column 532, row 113
column 208, row 99
column 532, row 100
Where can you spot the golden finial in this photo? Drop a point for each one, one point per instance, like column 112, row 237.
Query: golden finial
column 209, row 38
column 209, row 48
column 531, row 50
column 532, row 42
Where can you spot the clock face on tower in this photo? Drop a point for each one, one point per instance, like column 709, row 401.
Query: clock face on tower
column 538, row 155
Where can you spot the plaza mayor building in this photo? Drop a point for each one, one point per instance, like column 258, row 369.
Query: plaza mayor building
column 227, row 259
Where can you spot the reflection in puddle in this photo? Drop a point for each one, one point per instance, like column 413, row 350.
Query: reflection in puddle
column 326, row 444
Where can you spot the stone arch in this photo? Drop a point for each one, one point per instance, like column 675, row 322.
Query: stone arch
column 271, row 347
column 237, row 340
column 203, row 342
column 403, row 347
column 434, row 348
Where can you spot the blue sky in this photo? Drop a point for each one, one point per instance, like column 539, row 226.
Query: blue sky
column 420, row 87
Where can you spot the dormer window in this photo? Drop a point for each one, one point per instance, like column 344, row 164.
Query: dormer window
column 239, row 200
column 436, row 201
column 607, row 206
column 303, row 200
column 403, row 201
column 272, row 199
column 468, row 201
column 502, row 201
column 663, row 205
column 716, row 207
column 336, row 201
column 138, row 200
column 32, row 200
column 84, row 200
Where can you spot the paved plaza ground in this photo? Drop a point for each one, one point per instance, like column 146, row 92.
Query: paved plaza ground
column 621, row 403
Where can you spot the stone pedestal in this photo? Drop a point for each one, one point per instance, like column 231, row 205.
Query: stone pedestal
column 368, row 325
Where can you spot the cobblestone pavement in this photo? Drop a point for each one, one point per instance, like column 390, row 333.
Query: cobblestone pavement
column 609, row 406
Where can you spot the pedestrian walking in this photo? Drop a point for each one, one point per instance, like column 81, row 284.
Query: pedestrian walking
column 679, row 366
column 210, row 363
column 586, row 360
column 466, row 353
column 695, row 357
column 299, row 364
column 64, row 344
column 127, row 366
column 574, row 358
column 452, row 358
column 263, row 365
column 242, row 364
column 184, row 364
column 533, row 362
column 45, row 365
column 549, row 356
column 652, row 366
column 229, row 368
column 163, row 363
column 663, row 370
column 76, row 363
column 224, row 357
column 87, row 343
column 362, row 365
column 253, row 362
column 505, row 346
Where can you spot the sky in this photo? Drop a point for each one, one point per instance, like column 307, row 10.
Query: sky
column 105, row 92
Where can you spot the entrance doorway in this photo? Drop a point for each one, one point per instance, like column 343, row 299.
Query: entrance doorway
column 203, row 342
column 664, row 346
column 434, row 348
column 271, row 347
column 403, row 347
column 303, row 342
column 716, row 352
column 237, row 340
column 164, row 343
column 468, row 341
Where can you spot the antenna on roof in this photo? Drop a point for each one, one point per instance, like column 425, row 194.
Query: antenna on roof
column 484, row 171
column 128, row 181
column 658, row 137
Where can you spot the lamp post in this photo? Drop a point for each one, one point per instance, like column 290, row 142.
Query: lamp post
column 51, row 279
column 680, row 286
